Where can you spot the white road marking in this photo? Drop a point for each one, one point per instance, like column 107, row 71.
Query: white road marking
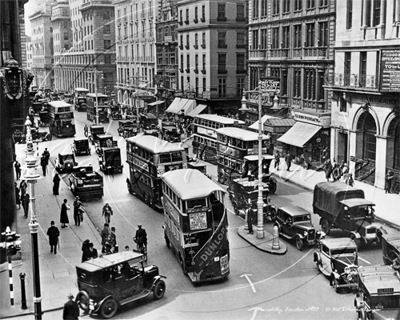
column 255, row 310
column 246, row 275
column 364, row 260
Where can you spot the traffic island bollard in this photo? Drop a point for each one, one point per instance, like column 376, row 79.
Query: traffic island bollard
column 23, row 292
column 275, row 239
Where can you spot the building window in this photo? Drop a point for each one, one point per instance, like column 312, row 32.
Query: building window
column 240, row 39
column 377, row 13
column 284, row 82
column 240, row 12
column 297, row 83
column 286, row 6
column 285, row 37
column 222, row 39
column 65, row 35
column 107, row 44
column 181, row 42
column 204, row 62
column 203, row 13
column 187, row 63
column 204, row 84
column 203, row 40
column 196, row 13
column 196, row 40
column 310, row 4
column 347, row 68
column 221, row 87
column 180, row 17
column 310, row 35
column 107, row 29
column 107, row 59
column 323, row 3
column 221, row 12
column 298, row 5
column 264, row 8
column 240, row 62
column 239, row 86
column 275, row 38
column 187, row 41
column 196, row 62
column 182, row 63
column 255, row 9
column 297, row 36
column 222, row 63
column 363, row 69
column 187, row 16
column 255, row 40
column 264, row 39
column 275, row 7
column 309, row 84
column 342, row 104
column 323, row 40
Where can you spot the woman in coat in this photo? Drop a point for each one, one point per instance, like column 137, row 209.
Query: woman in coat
column 64, row 215
column 56, row 184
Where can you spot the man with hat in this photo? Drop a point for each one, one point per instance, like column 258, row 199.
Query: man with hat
column 140, row 237
column 71, row 309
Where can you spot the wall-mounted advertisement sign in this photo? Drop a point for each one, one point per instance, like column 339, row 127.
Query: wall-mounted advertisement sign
column 390, row 74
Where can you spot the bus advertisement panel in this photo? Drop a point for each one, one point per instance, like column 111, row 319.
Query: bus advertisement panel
column 149, row 158
column 61, row 118
column 196, row 224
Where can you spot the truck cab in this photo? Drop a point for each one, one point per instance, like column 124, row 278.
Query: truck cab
column 110, row 160
column 86, row 184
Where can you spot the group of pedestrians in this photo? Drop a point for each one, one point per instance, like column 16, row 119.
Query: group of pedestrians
column 108, row 240
column 338, row 172
column 88, row 251
column 22, row 197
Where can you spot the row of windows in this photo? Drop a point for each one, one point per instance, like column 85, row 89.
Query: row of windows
column 84, row 59
column 208, row 123
column 175, row 231
column 222, row 40
column 135, row 53
column 207, row 142
column 260, row 7
column 238, row 143
column 229, row 163
column 222, row 63
column 221, row 13
column 183, row 205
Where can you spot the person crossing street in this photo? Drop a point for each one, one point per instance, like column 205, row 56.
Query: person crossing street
column 107, row 213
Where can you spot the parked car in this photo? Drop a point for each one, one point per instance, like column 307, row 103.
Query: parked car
column 81, row 146
column 65, row 162
column 294, row 222
column 344, row 207
column 390, row 247
column 378, row 294
column 113, row 280
column 337, row 258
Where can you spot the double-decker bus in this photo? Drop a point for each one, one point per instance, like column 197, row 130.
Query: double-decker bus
column 205, row 135
column 233, row 145
column 61, row 119
column 80, row 99
column 196, row 224
column 103, row 106
column 148, row 158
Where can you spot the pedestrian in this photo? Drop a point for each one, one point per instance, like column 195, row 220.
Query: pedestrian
column 389, row 178
column 71, row 309
column 112, row 238
column 17, row 198
column 107, row 213
column 56, row 184
column 25, row 204
column 85, row 246
column 277, row 160
column 17, row 167
column 77, row 204
column 328, row 169
column 250, row 217
column 64, row 215
column 104, row 236
column 288, row 160
column 85, row 130
column 43, row 163
column 53, row 234
column 46, row 155
column 350, row 180
column 336, row 173
column 22, row 188
column 345, row 172
column 89, row 253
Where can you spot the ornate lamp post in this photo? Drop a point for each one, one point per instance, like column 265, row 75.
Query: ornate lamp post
column 31, row 176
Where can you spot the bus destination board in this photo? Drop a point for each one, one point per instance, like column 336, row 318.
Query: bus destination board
column 198, row 220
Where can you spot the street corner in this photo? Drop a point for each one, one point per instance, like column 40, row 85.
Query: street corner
column 266, row 244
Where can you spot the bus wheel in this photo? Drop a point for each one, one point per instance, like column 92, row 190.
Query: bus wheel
column 109, row 308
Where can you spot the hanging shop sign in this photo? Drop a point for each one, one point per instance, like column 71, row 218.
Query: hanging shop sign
column 316, row 119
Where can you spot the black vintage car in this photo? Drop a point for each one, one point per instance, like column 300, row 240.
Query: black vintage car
column 127, row 128
column 65, row 162
column 94, row 131
column 81, row 146
column 294, row 222
column 114, row 280
column 110, row 160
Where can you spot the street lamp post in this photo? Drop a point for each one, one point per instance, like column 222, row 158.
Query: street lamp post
column 260, row 201
column 31, row 176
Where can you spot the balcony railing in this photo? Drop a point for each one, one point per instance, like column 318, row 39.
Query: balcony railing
column 279, row 53
column 355, row 81
column 195, row 46
column 257, row 54
column 203, row 46
column 195, row 20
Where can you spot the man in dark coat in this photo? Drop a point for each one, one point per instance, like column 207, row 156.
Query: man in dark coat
column 56, row 184
column 43, row 163
column 17, row 167
column 25, row 204
column 64, row 213
column 77, row 217
column 17, row 198
column 288, row 160
column 53, row 234
column 71, row 309
column 90, row 253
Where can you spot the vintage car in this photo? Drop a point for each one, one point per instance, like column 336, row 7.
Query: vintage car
column 390, row 247
column 87, row 184
column 294, row 222
column 81, row 146
column 80, row 103
column 169, row 131
column 110, row 160
column 114, row 280
column 104, row 141
column 94, row 131
column 127, row 128
column 344, row 207
column 149, row 123
column 337, row 258
column 240, row 190
column 65, row 162
column 378, row 295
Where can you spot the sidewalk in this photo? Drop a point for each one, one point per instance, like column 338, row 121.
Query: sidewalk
column 57, row 271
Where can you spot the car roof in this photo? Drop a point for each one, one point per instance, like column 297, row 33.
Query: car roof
column 109, row 260
column 104, row 136
column 392, row 239
column 294, row 210
column 379, row 279
column 337, row 243
column 198, row 163
column 81, row 139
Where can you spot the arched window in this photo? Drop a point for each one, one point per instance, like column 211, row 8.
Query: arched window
column 367, row 125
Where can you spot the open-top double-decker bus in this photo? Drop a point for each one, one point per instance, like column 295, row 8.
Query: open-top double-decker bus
column 196, row 224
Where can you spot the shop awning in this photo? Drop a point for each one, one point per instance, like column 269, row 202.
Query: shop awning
column 196, row 111
column 176, row 105
column 188, row 107
column 155, row 103
column 299, row 134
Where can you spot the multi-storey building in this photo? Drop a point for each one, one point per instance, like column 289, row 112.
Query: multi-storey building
column 90, row 63
column 167, row 48
column 28, row 46
column 365, row 105
column 212, row 52
column 135, row 47
column 42, row 47
column 291, row 41
column 62, row 37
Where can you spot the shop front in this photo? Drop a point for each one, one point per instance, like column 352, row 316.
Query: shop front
column 308, row 139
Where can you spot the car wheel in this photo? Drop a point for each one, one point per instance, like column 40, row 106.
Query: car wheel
column 159, row 289
column 108, row 308
column 69, row 166
column 272, row 212
column 325, row 226
column 299, row 243
column 82, row 299
column 335, row 285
